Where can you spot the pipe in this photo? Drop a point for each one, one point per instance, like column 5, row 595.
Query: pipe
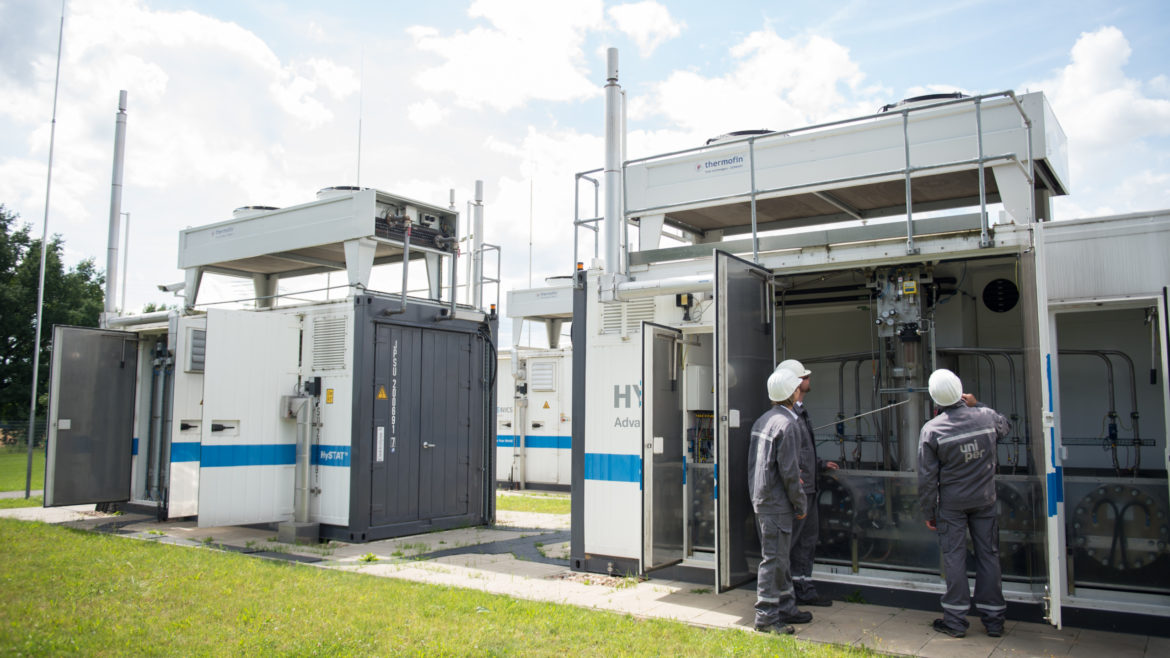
column 301, row 493
column 125, row 258
column 476, row 282
column 613, row 178
column 164, row 442
column 115, row 205
column 449, row 312
column 155, row 428
column 658, row 287
column 1133, row 415
column 131, row 320
column 405, row 271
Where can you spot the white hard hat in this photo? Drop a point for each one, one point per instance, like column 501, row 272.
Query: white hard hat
column 782, row 384
column 795, row 367
column 945, row 387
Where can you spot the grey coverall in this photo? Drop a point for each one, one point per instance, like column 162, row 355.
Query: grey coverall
column 956, row 487
column 774, row 486
column 804, row 531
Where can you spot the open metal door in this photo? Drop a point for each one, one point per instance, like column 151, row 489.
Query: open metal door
column 91, row 416
column 662, row 448
column 744, row 357
column 248, row 450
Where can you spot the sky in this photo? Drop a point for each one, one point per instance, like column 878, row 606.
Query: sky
column 235, row 103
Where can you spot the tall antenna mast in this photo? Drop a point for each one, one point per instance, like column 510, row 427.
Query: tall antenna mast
column 32, row 403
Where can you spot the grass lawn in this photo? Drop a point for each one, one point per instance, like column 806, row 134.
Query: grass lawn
column 13, row 460
column 71, row 592
column 531, row 501
column 34, row 501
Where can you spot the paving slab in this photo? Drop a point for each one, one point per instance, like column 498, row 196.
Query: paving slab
column 50, row 514
column 1157, row 647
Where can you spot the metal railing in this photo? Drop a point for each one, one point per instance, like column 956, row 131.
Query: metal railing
column 907, row 170
column 590, row 223
column 486, row 247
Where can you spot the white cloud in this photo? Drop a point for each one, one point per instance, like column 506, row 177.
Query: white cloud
column 1109, row 119
column 1097, row 103
column 774, row 83
column 648, row 23
column 427, row 114
column 216, row 120
column 532, row 51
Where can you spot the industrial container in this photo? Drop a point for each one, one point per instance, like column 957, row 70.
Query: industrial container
column 361, row 418
column 865, row 248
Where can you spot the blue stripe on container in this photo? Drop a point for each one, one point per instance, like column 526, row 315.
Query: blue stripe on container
column 185, row 452
column 1055, row 489
column 613, row 468
column 531, row 441
column 134, row 447
column 324, row 455
column 280, row 454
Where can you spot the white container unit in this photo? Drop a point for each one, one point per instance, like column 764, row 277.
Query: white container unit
column 369, row 416
column 872, row 307
column 533, row 423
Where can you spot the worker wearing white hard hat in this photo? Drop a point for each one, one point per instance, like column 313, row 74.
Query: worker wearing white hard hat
column 774, row 487
column 956, row 489
column 805, row 531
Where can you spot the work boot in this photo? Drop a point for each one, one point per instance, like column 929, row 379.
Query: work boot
column 941, row 626
column 798, row 617
column 776, row 629
column 817, row 602
column 995, row 632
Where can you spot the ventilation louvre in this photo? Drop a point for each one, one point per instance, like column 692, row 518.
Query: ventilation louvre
column 196, row 350
column 629, row 314
column 542, row 375
column 329, row 343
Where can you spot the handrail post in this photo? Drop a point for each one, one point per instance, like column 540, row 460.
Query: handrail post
column 576, row 214
column 752, row 168
column 984, row 238
column 911, row 248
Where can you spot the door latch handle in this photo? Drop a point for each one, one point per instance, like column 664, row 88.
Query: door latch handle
column 428, row 445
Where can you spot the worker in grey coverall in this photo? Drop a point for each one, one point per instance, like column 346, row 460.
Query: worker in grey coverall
column 774, row 487
column 956, row 489
column 804, row 531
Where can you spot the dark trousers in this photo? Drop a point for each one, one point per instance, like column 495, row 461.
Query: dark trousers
column 804, row 546
column 952, row 537
column 774, row 594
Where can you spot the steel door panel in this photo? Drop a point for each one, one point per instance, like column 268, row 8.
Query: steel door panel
column 445, row 424
column 744, row 358
column 395, row 438
column 91, row 416
column 662, row 449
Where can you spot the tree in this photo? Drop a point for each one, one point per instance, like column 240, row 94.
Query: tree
column 74, row 297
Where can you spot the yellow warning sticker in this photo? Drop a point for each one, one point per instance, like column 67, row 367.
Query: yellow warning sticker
column 546, row 404
column 328, row 396
column 381, row 392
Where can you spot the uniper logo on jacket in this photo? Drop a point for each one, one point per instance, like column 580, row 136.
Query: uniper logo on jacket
column 957, row 458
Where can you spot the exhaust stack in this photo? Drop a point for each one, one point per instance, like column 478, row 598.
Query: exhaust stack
column 613, row 164
column 477, row 248
column 115, row 207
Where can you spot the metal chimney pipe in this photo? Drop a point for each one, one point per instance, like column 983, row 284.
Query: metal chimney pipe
column 613, row 164
column 115, row 206
column 477, row 248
